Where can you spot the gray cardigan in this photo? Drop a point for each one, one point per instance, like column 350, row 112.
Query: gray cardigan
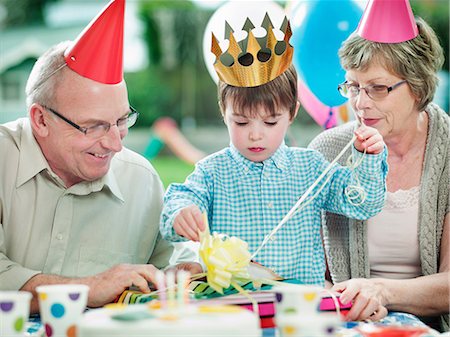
column 346, row 239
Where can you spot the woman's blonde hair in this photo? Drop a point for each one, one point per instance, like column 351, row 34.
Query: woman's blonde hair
column 417, row 60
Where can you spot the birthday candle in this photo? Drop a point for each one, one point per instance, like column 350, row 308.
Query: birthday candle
column 182, row 282
column 185, row 287
column 170, row 279
column 160, row 284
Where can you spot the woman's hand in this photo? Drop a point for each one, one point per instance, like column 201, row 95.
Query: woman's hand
column 368, row 139
column 368, row 297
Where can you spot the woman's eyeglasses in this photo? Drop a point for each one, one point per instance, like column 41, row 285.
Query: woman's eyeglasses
column 374, row 91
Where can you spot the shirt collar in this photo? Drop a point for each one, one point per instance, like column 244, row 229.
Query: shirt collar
column 32, row 162
column 108, row 182
column 279, row 158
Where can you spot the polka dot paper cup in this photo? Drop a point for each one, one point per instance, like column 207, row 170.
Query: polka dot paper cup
column 14, row 312
column 61, row 307
column 297, row 312
column 294, row 299
column 318, row 325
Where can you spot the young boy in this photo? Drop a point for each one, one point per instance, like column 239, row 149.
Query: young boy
column 248, row 187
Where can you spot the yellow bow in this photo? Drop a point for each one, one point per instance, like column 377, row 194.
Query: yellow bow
column 226, row 259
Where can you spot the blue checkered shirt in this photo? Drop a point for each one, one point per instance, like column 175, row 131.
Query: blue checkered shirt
column 248, row 199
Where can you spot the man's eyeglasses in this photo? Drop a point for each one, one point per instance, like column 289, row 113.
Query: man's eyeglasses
column 374, row 91
column 101, row 129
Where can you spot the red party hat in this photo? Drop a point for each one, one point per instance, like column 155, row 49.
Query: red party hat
column 388, row 21
column 97, row 53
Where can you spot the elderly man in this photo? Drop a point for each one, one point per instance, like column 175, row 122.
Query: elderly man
column 75, row 205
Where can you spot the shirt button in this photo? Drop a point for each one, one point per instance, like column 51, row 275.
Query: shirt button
column 246, row 169
column 59, row 237
column 270, row 204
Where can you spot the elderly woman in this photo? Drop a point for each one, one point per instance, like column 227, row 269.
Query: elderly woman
column 399, row 259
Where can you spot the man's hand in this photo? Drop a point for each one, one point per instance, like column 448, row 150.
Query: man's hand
column 107, row 286
column 104, row 288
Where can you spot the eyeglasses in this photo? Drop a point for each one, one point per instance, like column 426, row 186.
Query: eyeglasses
column 101, row 129
column 374, row 91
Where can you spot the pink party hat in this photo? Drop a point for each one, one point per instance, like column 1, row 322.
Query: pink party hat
column 388, row 21
column 97, row 53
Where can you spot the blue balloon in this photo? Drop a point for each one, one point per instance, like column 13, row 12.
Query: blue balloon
column 322, row 25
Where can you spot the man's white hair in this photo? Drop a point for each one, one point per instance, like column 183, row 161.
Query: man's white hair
column 44, row 76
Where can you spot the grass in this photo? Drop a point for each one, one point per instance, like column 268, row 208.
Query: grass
column 171, row 169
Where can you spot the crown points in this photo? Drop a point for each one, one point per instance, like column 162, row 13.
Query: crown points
column 252, row 46
column 287, row 31
column 271, row 39
column 267, row 23
column 264, row 59
column 248, row 25
column 228, row 30
column 215, row 47
column 233, row 49
column 284, row 25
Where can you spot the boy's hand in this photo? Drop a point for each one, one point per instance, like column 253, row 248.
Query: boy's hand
column 189, row 222
column 368, row 139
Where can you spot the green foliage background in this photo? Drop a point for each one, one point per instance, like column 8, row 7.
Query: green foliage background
column 436, row 13
column 171, row 169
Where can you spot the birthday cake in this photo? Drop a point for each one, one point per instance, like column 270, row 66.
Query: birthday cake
column 149, row 320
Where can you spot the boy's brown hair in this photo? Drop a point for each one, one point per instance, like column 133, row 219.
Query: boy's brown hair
column 278, row 93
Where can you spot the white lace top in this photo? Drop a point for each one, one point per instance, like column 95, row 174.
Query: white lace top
column 393, row 237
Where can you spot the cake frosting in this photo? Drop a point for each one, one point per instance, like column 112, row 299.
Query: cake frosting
column 150, row 320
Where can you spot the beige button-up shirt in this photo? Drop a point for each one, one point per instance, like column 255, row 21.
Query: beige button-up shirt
column 76, row 231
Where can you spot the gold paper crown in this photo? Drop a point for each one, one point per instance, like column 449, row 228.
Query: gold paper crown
column 253, row 61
